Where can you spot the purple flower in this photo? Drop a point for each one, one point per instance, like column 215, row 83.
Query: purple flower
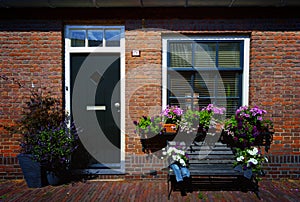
column 240, row 124
column 172, row 114
column 177, row 111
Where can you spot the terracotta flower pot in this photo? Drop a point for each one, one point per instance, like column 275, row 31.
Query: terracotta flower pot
column 170, row 128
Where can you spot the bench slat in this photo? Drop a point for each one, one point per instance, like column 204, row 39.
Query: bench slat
column 210, row 166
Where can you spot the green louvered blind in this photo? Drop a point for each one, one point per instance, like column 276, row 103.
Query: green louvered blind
column 181, row 54
column 200, row 73
column 204, row 54
column 229, row 55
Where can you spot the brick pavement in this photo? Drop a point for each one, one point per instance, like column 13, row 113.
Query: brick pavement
column 17, row 191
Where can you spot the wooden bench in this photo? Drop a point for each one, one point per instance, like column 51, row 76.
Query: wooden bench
column 211, row 168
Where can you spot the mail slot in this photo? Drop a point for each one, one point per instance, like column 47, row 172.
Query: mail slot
column 94, row 108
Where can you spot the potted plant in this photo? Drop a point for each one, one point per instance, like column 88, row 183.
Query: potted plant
column 178, row 161
column 249, row 161
column 148, row 126
column 47, row 137
column 55, row 145
column 152, row 133
column 247, row 128
column 42, row 123
column 167, row 122
column 176, row 153
column 171, row 118
column 156, row 131
column 200, row 121
column 245, row 132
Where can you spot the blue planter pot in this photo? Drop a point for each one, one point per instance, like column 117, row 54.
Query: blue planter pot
column 34, row 174
column 53, row 179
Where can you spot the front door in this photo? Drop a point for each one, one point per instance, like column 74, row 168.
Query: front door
column 95, row 106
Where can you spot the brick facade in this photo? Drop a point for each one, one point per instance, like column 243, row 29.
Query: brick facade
column 32, row 51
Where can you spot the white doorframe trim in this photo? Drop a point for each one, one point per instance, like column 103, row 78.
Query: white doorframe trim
column 121, row 50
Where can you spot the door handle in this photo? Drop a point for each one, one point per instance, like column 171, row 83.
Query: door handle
column 117, row 105
column 95, row 108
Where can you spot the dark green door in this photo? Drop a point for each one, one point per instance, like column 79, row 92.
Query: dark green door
column 95, row 106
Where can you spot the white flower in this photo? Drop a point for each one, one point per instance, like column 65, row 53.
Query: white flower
column 181, row 152
column 170, row 149
column 253, row 161
column 178, row 158
column 240, row 158
column 175, row 154
column 253, row 152
column 175, row 150
column 182, row 162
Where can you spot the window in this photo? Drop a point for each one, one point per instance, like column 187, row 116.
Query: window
column 95, row 37
column 207, row 70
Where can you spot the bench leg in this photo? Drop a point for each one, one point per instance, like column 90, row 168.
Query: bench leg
column 249, row 185
column 257, row 194
column 170, row 187
column 256, row 188
column 169, row 194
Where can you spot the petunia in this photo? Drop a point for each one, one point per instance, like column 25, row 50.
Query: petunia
column 253, row 161
column 240, row 158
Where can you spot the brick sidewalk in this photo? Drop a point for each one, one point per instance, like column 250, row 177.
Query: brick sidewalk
column 273, row 191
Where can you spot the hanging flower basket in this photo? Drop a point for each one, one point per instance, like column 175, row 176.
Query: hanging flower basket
column 264, row 138
column 200, row 136
column 157, row 142
column 248, row 128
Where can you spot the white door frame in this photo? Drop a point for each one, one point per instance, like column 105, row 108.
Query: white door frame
column 121, row 50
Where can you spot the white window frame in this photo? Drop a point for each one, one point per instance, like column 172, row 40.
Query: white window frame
column 246, row 59
column 103, row 49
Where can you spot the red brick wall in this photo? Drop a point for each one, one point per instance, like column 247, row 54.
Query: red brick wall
column 143, row 94
column 274, row 84
column 33, row 51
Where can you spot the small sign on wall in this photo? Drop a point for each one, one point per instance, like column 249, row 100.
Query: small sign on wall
column 135, row 53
